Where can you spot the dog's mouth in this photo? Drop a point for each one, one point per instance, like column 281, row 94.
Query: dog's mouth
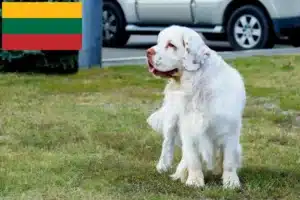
column 156, row 72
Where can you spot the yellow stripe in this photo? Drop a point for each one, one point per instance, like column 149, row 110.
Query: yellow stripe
column 41, row 10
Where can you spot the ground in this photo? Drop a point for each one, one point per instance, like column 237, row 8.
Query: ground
column 84, row 136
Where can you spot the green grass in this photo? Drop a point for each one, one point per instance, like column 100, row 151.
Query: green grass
column 84, row 136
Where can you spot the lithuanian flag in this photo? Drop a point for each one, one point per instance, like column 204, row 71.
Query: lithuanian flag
column 41, row 25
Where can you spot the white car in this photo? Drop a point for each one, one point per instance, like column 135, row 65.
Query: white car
column 246, row 24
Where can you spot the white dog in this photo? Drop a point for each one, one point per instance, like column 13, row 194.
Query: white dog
column 204, row 104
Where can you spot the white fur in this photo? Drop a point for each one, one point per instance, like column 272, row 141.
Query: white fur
column 205, row 109
column 165, row 122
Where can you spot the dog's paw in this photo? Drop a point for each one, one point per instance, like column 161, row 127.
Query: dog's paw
column 181, row 172
column 195, row 179
column 162, row 167
column 195, row 182
column 231, row 180
column 179, row 176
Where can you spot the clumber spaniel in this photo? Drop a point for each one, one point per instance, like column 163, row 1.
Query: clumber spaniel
column 202, row 109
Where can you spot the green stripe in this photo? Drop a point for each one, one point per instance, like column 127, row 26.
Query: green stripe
column 41, row 26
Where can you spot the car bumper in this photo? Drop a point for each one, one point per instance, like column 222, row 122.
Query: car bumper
column 285, row 26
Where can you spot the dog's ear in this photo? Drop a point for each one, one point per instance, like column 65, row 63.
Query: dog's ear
column 185, row 37
column 189, row 60
column 196, row 52
column 202, row 54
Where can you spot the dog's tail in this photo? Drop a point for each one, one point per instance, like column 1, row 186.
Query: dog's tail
column 155, row 121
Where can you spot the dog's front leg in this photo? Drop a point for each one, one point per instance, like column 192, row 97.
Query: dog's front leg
column 170, row 131
column 180, row 172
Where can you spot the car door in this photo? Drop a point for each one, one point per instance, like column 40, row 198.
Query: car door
column 209, row 12
column 156, row 12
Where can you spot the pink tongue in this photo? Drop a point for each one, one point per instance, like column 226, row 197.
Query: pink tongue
column 152, row 70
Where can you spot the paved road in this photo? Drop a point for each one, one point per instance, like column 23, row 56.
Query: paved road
column 137, row 45
column 134, row 52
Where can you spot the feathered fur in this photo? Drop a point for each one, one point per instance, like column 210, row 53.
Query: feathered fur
column 203, row 110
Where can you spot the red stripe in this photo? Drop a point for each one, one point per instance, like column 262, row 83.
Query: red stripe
column 41, row 42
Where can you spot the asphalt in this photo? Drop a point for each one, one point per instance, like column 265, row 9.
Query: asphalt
column 134, row 51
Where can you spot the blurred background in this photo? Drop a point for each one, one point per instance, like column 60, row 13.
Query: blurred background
column 131, row 26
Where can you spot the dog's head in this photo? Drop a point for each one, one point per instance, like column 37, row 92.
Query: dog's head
column 165, row 59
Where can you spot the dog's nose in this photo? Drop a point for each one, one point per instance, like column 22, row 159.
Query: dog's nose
column 150, row 52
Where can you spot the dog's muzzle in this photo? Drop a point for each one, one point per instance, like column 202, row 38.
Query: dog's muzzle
column 150, row 53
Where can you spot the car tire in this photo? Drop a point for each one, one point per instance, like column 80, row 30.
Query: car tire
column 248, row 28
column 114, row 33
column 294, row 38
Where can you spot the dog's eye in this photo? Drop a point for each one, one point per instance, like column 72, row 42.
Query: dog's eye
column 171, row 45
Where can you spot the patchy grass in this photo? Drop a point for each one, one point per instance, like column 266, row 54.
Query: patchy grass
column 85, row 137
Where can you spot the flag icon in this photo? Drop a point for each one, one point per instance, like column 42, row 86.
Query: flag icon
column 41, row 25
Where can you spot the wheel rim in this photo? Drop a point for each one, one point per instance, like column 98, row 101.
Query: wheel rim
column 247, row 31
column 109, row 24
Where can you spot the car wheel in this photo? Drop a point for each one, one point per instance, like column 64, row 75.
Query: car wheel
column 248, row 28
column 114, row 23
column 294, row 38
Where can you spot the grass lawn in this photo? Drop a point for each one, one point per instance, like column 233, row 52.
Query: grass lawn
column 84, row 136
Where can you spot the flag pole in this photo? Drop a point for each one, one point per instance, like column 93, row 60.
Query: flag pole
column 91, row 51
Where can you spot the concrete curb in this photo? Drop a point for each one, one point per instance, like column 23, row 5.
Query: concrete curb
column 124, row 61
column 225, row 55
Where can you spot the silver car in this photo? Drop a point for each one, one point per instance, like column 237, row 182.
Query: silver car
column 246, row 24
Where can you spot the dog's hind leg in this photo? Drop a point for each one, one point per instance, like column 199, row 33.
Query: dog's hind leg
column 180, row 172
column 191, row 129
column 218, row 157
column 232, row 161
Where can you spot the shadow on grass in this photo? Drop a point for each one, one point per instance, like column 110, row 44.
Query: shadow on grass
column 137, row 173
column 129, row 177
